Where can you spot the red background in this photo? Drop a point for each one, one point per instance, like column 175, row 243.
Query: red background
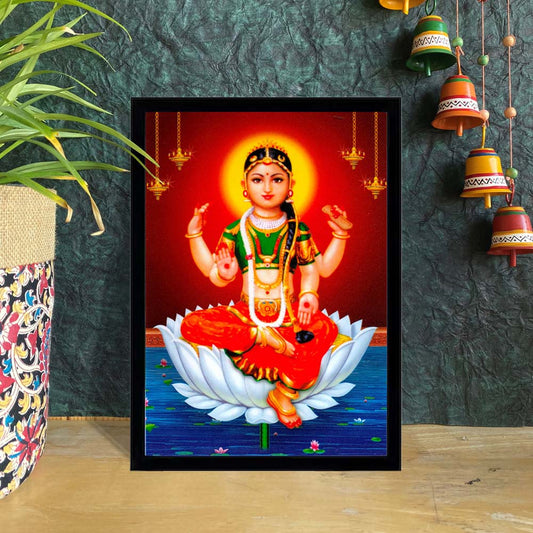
column 174, row 283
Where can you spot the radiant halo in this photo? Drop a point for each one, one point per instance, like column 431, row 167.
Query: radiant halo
column 303, row 171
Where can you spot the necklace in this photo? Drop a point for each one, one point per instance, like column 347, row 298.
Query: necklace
column 267, row 259
column 251, row 285
column 267, row 223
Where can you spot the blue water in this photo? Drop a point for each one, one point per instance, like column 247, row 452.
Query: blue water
column 176, row 429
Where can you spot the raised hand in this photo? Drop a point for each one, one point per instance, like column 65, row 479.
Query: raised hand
column 338, row 220
column 227, row 264
column 197, row 222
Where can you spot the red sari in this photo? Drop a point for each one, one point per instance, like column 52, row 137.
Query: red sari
column 230, row 328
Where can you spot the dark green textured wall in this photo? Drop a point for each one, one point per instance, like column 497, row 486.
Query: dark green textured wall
column 467, row 317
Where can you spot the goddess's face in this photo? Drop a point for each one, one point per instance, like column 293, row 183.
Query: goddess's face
column 268, row 185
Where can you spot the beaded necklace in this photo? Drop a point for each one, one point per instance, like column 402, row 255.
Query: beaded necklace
column 251, row 270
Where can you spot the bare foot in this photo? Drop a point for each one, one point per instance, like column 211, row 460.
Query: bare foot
column 276, row 341
column 284, row 408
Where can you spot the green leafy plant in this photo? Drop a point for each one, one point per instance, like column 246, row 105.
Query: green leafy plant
column 23, row 122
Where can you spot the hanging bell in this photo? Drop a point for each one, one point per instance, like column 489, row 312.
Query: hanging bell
column 403, row 5
column 431, row 46
column 458, row 109
column 511, row 233
column 484, row 176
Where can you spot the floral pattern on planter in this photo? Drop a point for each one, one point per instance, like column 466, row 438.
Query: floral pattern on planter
column 26, row 303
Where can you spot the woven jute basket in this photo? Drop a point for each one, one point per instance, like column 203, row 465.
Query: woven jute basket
column 27, row 245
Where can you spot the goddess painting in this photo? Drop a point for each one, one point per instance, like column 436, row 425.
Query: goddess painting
column 275, row 332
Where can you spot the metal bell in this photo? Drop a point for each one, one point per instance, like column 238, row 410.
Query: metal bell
column 403, row 5
column 484, row 176
column 431, row 46
column 511, row 233
column 458, row 109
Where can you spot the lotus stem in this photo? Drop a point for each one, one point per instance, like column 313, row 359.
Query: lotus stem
column 264, row 436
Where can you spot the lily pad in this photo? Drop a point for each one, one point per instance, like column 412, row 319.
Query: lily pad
column 149, row 427
column 342, row 424
column 375, row 439
column 183, row 453
column 170, row 408
column 349, row 408
column 370, row 398
column 167, row 382
column 148, row 407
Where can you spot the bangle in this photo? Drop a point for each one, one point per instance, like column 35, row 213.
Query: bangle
column 193, row 235
column 339, row 236
column 224, row 280
column 308, row 291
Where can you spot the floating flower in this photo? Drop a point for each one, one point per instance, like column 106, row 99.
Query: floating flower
column 163, row 363
column 315, row 445
column 213, row 382
column 359, row 420
column 146, row 402
column 221, row 450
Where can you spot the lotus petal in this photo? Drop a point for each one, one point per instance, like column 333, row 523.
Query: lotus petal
column 339, row 390
column 184, row 390
column 257, row 391
column 305, row 412
column 235, row 381
column 190, row 362
column 212, row 371
column 345, row 326
column 202, row 402
column 176, row 350
column 213, row 381
column 359, row 347
column 320, row 401
column 227, row 412
column 335, row 316
column 255, row 415
column 356, row 328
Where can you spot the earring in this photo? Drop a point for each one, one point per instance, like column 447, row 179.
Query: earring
column 245, row 194
column 289, row 196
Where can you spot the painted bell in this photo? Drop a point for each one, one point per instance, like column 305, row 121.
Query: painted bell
column 403, row 5
column 431, row 46
column 458, row 109
column 484, row 176
column 511, row 233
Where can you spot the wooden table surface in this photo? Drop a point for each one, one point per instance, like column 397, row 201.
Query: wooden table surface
column 453, row 479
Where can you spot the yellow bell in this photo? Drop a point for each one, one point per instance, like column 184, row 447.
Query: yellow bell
column 402, row 5
column 484, row 176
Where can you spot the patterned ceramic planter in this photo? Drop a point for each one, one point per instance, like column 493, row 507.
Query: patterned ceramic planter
column 27, row 241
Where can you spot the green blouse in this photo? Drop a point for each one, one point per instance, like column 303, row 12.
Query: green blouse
column 267, row 246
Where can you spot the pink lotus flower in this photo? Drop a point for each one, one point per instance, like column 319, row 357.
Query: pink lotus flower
column 163, row 362
column 146, row 402
column 221, row 450
column 314, row 445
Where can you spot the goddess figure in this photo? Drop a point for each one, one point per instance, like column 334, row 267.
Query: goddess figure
column 273, row 332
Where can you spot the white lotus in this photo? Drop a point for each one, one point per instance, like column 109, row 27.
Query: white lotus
column 213, row 382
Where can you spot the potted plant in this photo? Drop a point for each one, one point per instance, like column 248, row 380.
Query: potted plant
column 28, row 126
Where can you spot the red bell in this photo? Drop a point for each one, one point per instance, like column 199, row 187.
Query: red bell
column 511, row 233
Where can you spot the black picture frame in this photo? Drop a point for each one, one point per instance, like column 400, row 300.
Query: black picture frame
column 142, row 108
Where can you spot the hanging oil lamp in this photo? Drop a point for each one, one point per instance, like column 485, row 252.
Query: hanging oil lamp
column 354, row 155
column 375, row 185
column 157, row 186
column 179, row 156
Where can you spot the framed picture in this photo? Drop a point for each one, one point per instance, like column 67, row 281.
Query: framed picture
column 266, row 284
